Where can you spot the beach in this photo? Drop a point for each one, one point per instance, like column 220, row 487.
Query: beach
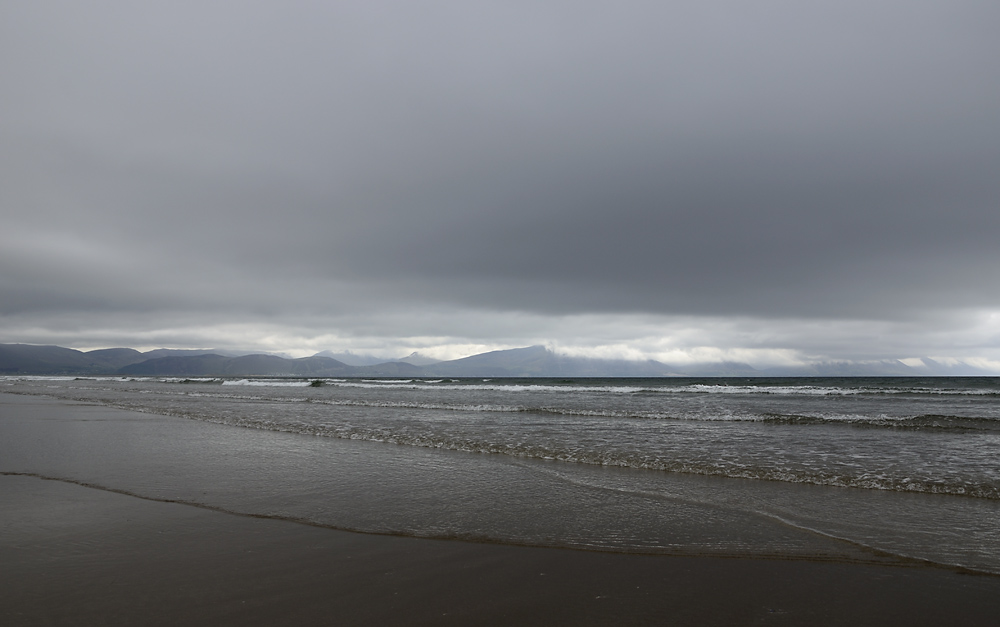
column 494, row 313
column 127, row 530
column 76, row 555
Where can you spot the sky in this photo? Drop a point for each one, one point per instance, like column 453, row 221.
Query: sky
column 770, row 182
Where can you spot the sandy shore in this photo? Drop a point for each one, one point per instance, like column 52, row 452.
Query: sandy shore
column 76, row 555
column 72, row 554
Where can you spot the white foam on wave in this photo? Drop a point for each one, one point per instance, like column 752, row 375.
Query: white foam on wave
column 495, row 387
column 805, row 390
column 754, row 390
column 387, row 381
column 812, row 390
column 268, row 383
column 739, row 469
column 27, row 377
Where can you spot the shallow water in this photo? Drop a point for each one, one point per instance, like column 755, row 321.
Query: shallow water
column 809, row 468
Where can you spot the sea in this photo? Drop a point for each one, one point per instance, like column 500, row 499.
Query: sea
column 897, row 470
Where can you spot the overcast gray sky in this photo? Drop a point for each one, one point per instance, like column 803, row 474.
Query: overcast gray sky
column 775, row 182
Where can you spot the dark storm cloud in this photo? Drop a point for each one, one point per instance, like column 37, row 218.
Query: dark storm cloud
column 776, row 159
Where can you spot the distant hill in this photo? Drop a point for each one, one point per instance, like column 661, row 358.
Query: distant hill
column 416, row 359
column 538, row 361
column 117, row 357
column 174, row 352
column 390, row 369
column 532, row 361
column 192, row 366
column 243, row 366
column 31, row 359
column 353, row 359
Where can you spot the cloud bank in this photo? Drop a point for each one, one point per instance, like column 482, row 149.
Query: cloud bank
column 770, row 182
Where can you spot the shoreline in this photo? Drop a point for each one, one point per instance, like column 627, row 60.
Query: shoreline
column 875, row 557
column 73, row 551
column 73, row 554
column 172, row 459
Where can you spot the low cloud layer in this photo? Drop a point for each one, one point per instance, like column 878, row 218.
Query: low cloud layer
column 767, row 182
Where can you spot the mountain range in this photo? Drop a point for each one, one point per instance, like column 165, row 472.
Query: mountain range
column 532, row 361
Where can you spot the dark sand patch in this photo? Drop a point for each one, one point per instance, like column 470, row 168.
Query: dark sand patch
column 76, row 555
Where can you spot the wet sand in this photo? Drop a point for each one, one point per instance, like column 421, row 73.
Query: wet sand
column 76, row 555
column 72, row 554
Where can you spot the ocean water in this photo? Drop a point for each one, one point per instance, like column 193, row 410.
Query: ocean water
column 820, row 468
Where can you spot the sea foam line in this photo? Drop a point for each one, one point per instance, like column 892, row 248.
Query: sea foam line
column 386, row 435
